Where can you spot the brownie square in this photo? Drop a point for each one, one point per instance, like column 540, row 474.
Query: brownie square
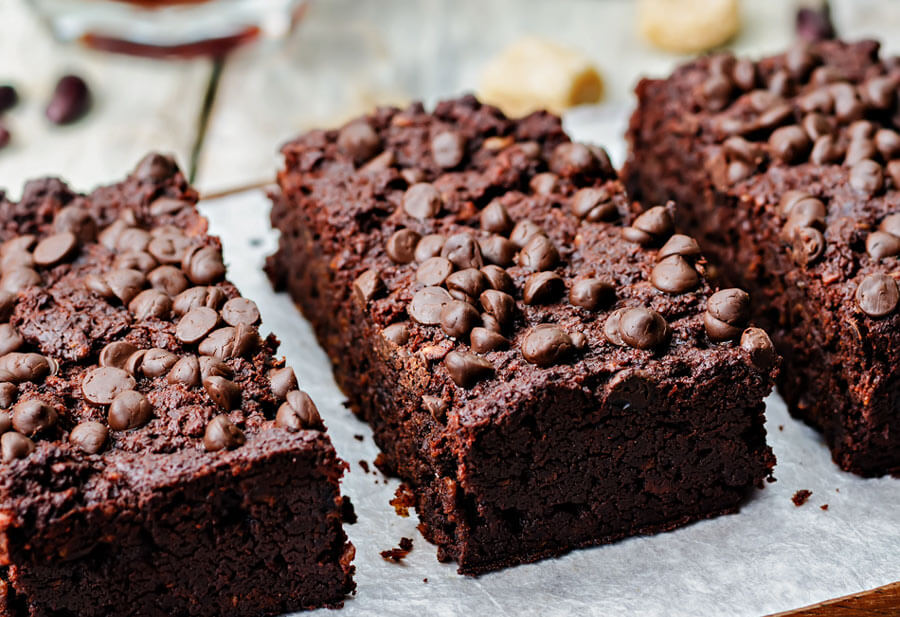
column 540, row 373
column 787, row 171
column 157, row 458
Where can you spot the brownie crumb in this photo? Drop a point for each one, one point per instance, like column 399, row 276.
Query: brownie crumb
column 781, row 427
column 399, row 553
column 364, row 465
column 801, row 496
column 771, row 479
column 823, row 507
column 348, row 512
column 403, row 500
column 358, row 437
column 382, row 464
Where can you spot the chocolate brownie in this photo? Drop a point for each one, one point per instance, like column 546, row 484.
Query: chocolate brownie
column 787, row 170
column 543, row 376
column 157, row 458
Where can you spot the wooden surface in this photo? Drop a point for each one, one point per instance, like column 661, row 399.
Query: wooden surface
column 881, row 602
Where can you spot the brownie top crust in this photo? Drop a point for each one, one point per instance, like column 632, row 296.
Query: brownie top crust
column 127, row 360
column 507, row 258
column 808, row 139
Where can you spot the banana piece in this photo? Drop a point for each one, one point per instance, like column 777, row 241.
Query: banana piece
column 688, row 26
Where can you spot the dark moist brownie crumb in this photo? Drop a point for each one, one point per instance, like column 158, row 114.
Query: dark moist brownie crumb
column 404, row 499
column 364, row 465
column 398, row 554
column 801, row 496
column 348, row 512
column 824, row 506
column 358, row 437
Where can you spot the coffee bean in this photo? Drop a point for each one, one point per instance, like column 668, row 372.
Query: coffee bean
column 458, row 318
column 196, row 324
column 21, row 367
column 539, row 254
column 55, row 248
column 397, row 333
column 422, row 201
column 169, row 249
column 429, row 246
column 643, row 328
column 89, row 436
column 674, row 275
column 10, row 339
column 223, row 392
column 168, row 279
column 593, row 204
column 543, row 288
column 157, row 362
column 125, row 283
column 298, row 412
column 570, row 159
column 283, row 380
column 448, row 149
column 101, row 385
column 757, row 343
column 70, row 101
column 213, row 367
column 401, row 246
column 498, row 250
column 204, row 265
column 15, row 280
column 129, row 410
column 523, row 232
column 359, row 141
column 825, row 150
column 495, row 219
column 744, row 74
column 482, row 340
column 240, row 311
column 858, row 150
column 116, row 354
column 32, row 416
column 546, row 345
column 789, row 144
column 467, row 369
column 470, row 282
column 879, row 92
column 808, row 246
column 8, row 394
column 544, row 183
column 185, row 371
column 877, row 295
column 463, row 251
column 221, row 433
column 888, row 143
column 150, row 303
column 592, row 294
column 230, row 342
column 15, row 446
column 881, row 244
column 867, row 177
column 210, row 297
column 427, row 303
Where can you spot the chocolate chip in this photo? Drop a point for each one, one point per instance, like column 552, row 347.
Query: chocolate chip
column 10, row 340
column 366, row 286
column 397, row 333
column 593, row 204
column 70, row 101
column 495, row 219
column 21, row 243
column 168, row 279
column 448, row 149
column 56, row 248
column 498, row 250
column 523, row 232
column 98, row 285
column 482, row 340
column 773, row 116
column 298, row 412
column 642, row 328
column 116, row 354
column 544, row 183
column 543, row 288
column 132, row 239
column 716, row 92
column 422, row 201
column 809, row 212
column 736, row 147
column 434, row 271
column 569, row 159
column 32, row 416
column 210, row 297
column 730, row 305
column 429, row 246
column 101, row 385
column 135, row 260
column 283, row 380
column 15, row 280
column 5, row 422
column 799, row 61
column 463, row 251
column 674, row 275
column 858, row 150
column 436, row 406
column 653, row 224
column 592, row 294
column 185, row 371
column 230, row 342
column 861, row 129
column 221, row 433
column 21, row 367
column 467, row 369
column 739, row 170
column 157, row 362
column 470, row 282
column 15, row 445
column 427, row 303
column 779, row 82
column 383, row 161
column 819, row 100
column 89, row 436
column 546, row 345
column 719, row 330
column 7, row 304
column 240, row 311
column 8, row 394
column 458, row 318
column 888, row 143
column 877, row 295
column 196, row 324
column 611, row 327
column 808, row 246
column 78, row 221
column 223, row 392
column 867, row 177
column 163, row 206
column 204, row 265
column 879, row 92
column 679, row 244
column 757, row 343
column 816, row 125
column 125, row 283
column 789, row 144
column 129, row 410
column 150, row 303
column 16, row 259
column 401, row 246
column 213, row 367
column 359, row 141
column 893, row 171
column 169, row 249
column 500, row 305
column 539, row 254
column 132, row 365
column 847, row 106
column 891, row 224
column 881, row 244
column 825, row 150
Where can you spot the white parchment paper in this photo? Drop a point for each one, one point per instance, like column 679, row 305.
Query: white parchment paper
column 772, row 556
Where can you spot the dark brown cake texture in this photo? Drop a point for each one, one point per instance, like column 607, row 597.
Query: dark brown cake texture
column 157, row 459
column 543, row 376
column 787, row 170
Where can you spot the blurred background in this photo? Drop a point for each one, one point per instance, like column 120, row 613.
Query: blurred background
column 222, row 83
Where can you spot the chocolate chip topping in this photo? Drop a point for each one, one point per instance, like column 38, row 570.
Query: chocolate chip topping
column 151, row 303
column 125, row 283
column 116, row 354
column 643, row 328
column 463, row 251
column 674, row 275
column 155, row 168
column 298, row 412
column 397, row 333
column 434, row 271
column 498, row 278
column 726, row 311
column 448, row 149
column 366, row 286
column 877, row 295
column 10, row 340
column 196, row 324
column 240, row 311
column 359, row 141
column 789, row 144
column 14, row 446
column 169, row 279
column 539, row 254
column 16, row 279
column 55, row 248
column 213, row 367
column 808, row 246
column 283, row 381
column 867, row 177
column 78, row 221
column 592, row 294
column 651, row 226
column 89, row 437
column 881, row 244
column 593, row 204
column 21, row 367
column 223, row 392
column 401, row 246
column 221, row 433
column 679, row 244
column 495, row 219
column 427, row 304
column 499, row 305
column 467, row 369
column 543, row 288
column 498, row 250
column 523, row 232
column 203, row 266
column 546, row 345
column 8, row 394
column 101, row 385
column 422, row 201
column 429, row 246
column 157, row 362
column 466, row 283
column 458, row 318
column 757, row 343
column 31, row 416
column 129, row 410
column 230, row 342
column 186, row 371
column 482, row 340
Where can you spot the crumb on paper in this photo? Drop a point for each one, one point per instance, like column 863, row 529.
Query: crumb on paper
column 403, row 500
column 781, row 427
column 382, row 464
column 348, row 512
column 824, row 507
column 364, row 465
column 425, row 580
column 399, row 553
column 801, row 496
column 771, row 479
column 358, row 437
